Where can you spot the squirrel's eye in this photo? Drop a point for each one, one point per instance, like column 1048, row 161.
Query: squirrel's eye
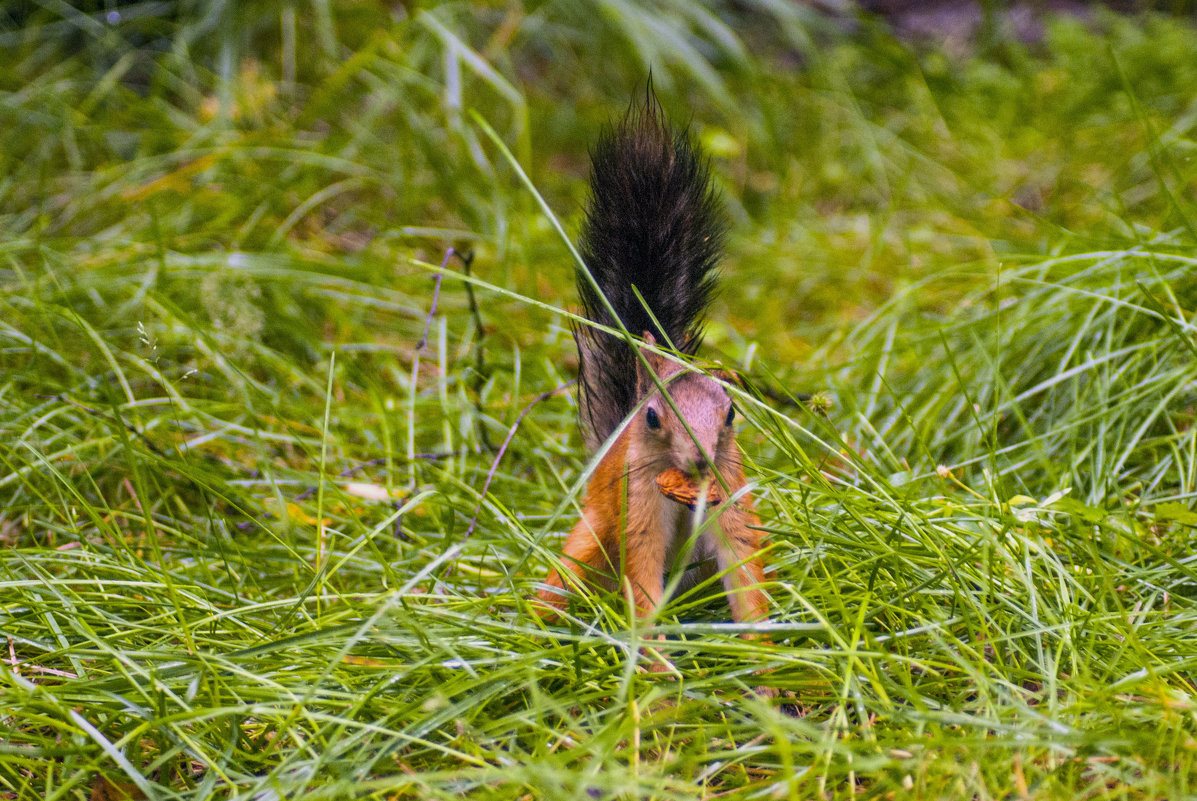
column 731, row 415
column 650, row 417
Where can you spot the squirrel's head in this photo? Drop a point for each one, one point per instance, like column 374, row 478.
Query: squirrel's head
column 701, row 401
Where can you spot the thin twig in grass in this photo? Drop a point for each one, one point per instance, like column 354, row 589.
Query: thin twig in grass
column 503, row 448
column 436, row 295
column 467, row 261
column 16, row 665
column 154, row 449
column 480, row 371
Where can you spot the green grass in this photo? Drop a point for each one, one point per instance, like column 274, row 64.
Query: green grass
column 220, row 234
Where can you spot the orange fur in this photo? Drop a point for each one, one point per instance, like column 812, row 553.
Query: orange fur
column 628, row 530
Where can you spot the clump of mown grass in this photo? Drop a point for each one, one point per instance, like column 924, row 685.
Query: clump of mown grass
column 237, row 490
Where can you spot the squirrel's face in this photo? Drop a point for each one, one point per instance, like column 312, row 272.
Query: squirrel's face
column 707, row 410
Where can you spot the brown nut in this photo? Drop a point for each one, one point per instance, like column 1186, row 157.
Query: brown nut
column 677, row 486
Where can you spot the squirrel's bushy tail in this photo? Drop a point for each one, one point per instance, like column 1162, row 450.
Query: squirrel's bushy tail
column 654, row 222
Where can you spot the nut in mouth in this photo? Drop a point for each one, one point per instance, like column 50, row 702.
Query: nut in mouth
column 681, row 488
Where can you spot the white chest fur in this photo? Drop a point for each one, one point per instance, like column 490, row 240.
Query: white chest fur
column 686, row 549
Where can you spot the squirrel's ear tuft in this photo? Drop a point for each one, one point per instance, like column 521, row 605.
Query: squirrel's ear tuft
column 658, row 364
column 729, row 376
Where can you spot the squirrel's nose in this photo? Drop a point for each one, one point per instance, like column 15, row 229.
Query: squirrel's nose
column 701, row 465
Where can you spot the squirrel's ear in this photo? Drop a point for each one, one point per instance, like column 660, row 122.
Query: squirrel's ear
column 729, row 377
column 658, row 364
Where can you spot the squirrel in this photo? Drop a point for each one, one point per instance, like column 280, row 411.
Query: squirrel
column 654, row 225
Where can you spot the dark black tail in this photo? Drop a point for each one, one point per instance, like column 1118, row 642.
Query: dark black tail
column 654, row 222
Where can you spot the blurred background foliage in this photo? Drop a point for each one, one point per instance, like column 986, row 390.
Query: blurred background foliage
column 854, row 163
